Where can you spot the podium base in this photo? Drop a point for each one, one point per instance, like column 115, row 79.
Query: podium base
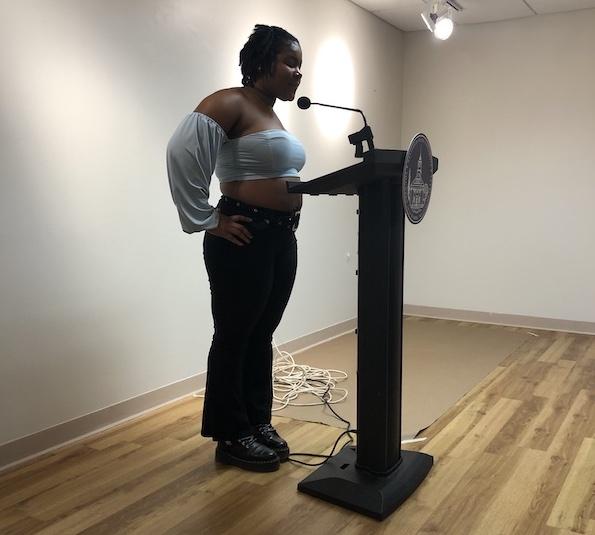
column 339, row 481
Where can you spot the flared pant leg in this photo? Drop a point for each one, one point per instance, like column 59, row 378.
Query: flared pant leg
column 250, row 288
column 258, row 383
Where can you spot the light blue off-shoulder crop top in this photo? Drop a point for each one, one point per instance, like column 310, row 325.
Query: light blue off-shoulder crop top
column 199, row 146
column 265, row 154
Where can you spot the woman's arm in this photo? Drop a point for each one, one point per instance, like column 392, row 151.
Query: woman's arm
column 191, row 158
column 225, row 108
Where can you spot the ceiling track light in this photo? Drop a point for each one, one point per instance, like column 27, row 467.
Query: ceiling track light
column 438, row 17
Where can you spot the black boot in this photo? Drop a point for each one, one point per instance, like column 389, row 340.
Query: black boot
column 248, row 454
column 266, row 434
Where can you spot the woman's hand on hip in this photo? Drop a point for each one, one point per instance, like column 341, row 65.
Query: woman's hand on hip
column 231, row 228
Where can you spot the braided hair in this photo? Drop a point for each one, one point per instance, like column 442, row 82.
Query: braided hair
column 259, row 53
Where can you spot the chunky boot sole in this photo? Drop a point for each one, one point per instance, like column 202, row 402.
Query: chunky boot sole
column 254, row 466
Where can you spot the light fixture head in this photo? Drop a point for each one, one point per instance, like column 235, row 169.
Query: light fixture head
column 444, row 27
column 438, row 17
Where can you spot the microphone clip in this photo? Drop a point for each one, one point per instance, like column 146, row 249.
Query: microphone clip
column 358, row 138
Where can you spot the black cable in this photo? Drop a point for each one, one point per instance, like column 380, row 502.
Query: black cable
column 327, row 457
column 348, row 431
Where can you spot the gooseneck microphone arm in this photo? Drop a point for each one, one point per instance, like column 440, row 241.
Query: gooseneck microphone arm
column 358, row 138
column 304, row 103
column 342, row 108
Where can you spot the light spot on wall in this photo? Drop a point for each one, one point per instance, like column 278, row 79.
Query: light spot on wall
column 333, row 83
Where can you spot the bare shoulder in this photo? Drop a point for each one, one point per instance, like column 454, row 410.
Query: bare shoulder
column 224, row 107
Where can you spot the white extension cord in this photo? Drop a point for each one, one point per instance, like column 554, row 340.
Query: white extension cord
column 291, row 379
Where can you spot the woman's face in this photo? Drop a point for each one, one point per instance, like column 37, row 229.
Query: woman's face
column 286, row 77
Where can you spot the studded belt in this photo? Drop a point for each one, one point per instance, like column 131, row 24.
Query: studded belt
column 262, row 218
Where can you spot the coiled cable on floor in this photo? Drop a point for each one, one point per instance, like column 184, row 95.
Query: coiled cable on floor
column 291, row 379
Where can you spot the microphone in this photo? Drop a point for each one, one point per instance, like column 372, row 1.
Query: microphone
column 304, row 103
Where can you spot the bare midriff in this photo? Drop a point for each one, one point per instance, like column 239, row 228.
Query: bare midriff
column 267, row 192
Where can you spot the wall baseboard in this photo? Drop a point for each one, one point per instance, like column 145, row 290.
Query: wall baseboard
column 31, row 446
column 22, row 450
column 318, row 337
column 510, row 320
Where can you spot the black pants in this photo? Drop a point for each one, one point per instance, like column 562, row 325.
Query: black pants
column 250, row 288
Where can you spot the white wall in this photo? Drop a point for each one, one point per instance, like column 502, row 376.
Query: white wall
column 103, row 297
column 509, row 109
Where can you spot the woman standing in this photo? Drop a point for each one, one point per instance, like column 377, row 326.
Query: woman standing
column 250, row 249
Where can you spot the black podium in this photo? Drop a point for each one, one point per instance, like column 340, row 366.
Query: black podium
column 375, row 477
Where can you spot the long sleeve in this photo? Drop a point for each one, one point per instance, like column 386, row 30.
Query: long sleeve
column 191, row 157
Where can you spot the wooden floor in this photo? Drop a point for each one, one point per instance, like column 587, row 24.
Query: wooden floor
column 516, row 455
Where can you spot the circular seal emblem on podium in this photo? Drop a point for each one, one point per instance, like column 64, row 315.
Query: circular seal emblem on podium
column 417, row 178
